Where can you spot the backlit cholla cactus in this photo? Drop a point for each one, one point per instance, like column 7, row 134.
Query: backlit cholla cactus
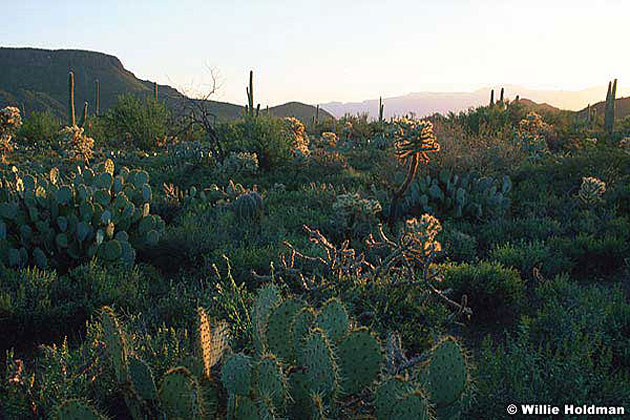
column 591, row 191
column 531, row 135
column 10, row 122
column 354, row 212
column 300, row 141
column 329, row 138
column 418, row 238
column 414, row 138
column 240, row 163
column 624, row 144
column 78, row 145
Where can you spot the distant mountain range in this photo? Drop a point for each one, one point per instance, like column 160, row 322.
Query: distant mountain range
column 427, row 103
column 37, row 80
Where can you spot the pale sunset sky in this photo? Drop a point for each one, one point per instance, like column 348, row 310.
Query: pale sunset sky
column 320, row 51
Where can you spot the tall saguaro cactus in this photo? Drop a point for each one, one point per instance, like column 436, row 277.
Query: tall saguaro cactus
column 72, row 119
column 155, row 91
column 381, row 107
column 249, row 108
column 97, row 99
column 501, row 97
column 492, row 97
column 609, row 117
column 85, row 115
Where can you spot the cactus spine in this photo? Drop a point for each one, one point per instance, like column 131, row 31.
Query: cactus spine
column 72, row 119
column 609, row 117
column 97, row 99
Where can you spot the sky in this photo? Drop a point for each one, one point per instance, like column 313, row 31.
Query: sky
column 321, row 51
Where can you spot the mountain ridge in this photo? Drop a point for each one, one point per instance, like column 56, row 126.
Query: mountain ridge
column 36, row 79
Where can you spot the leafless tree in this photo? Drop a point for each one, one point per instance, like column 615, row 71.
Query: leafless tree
column 196, row 110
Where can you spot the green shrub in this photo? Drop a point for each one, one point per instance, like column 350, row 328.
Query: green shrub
column 458, row 246
column 525, row 256
column 136, row 122
column 266, row 136
column 574, row 351
column 492, row 289
column 40, row 128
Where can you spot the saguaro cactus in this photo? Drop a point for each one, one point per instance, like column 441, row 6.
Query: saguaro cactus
column 97, row 99
column 381, row 107
column 492, row 97
column 72, row 119
column 501, row 97
column 609, row 117
column 85, row 115
column 250, row 96
column 155, row 91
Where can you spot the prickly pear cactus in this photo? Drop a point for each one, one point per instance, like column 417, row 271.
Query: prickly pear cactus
column 278, row 325
column 445, row 377
column 411, row 406
column 360, row 360
column 76, row 410
column 267, row 298
column 245, row 408
column 53, row 221
column 180, row 395
column 141, row 379
column 237, row 374
column 115, row 342
column 321, row 368
column 270, row 382
column 333, row 319
column 388, row 394
column 301, row 327
column 212, row 341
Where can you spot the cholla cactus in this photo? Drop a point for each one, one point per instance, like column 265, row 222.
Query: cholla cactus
column 624, row 144
column 591, row 191
column 241, row 163
column 417, row 240
column 414, row 139
column 300, row 140
column 10, row 122
column 329, row 138
column 531, row 135
column 78, row 144
column 353, row 211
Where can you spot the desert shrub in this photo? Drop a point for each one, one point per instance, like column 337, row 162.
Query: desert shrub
column 515, row 229
column 42, row 305
column 40, row 129
column 458, row 246
column 593, row 256
column 266, row 136
column 573, row 351
column 138, row 123
column 492, row 289
column 525, row 256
